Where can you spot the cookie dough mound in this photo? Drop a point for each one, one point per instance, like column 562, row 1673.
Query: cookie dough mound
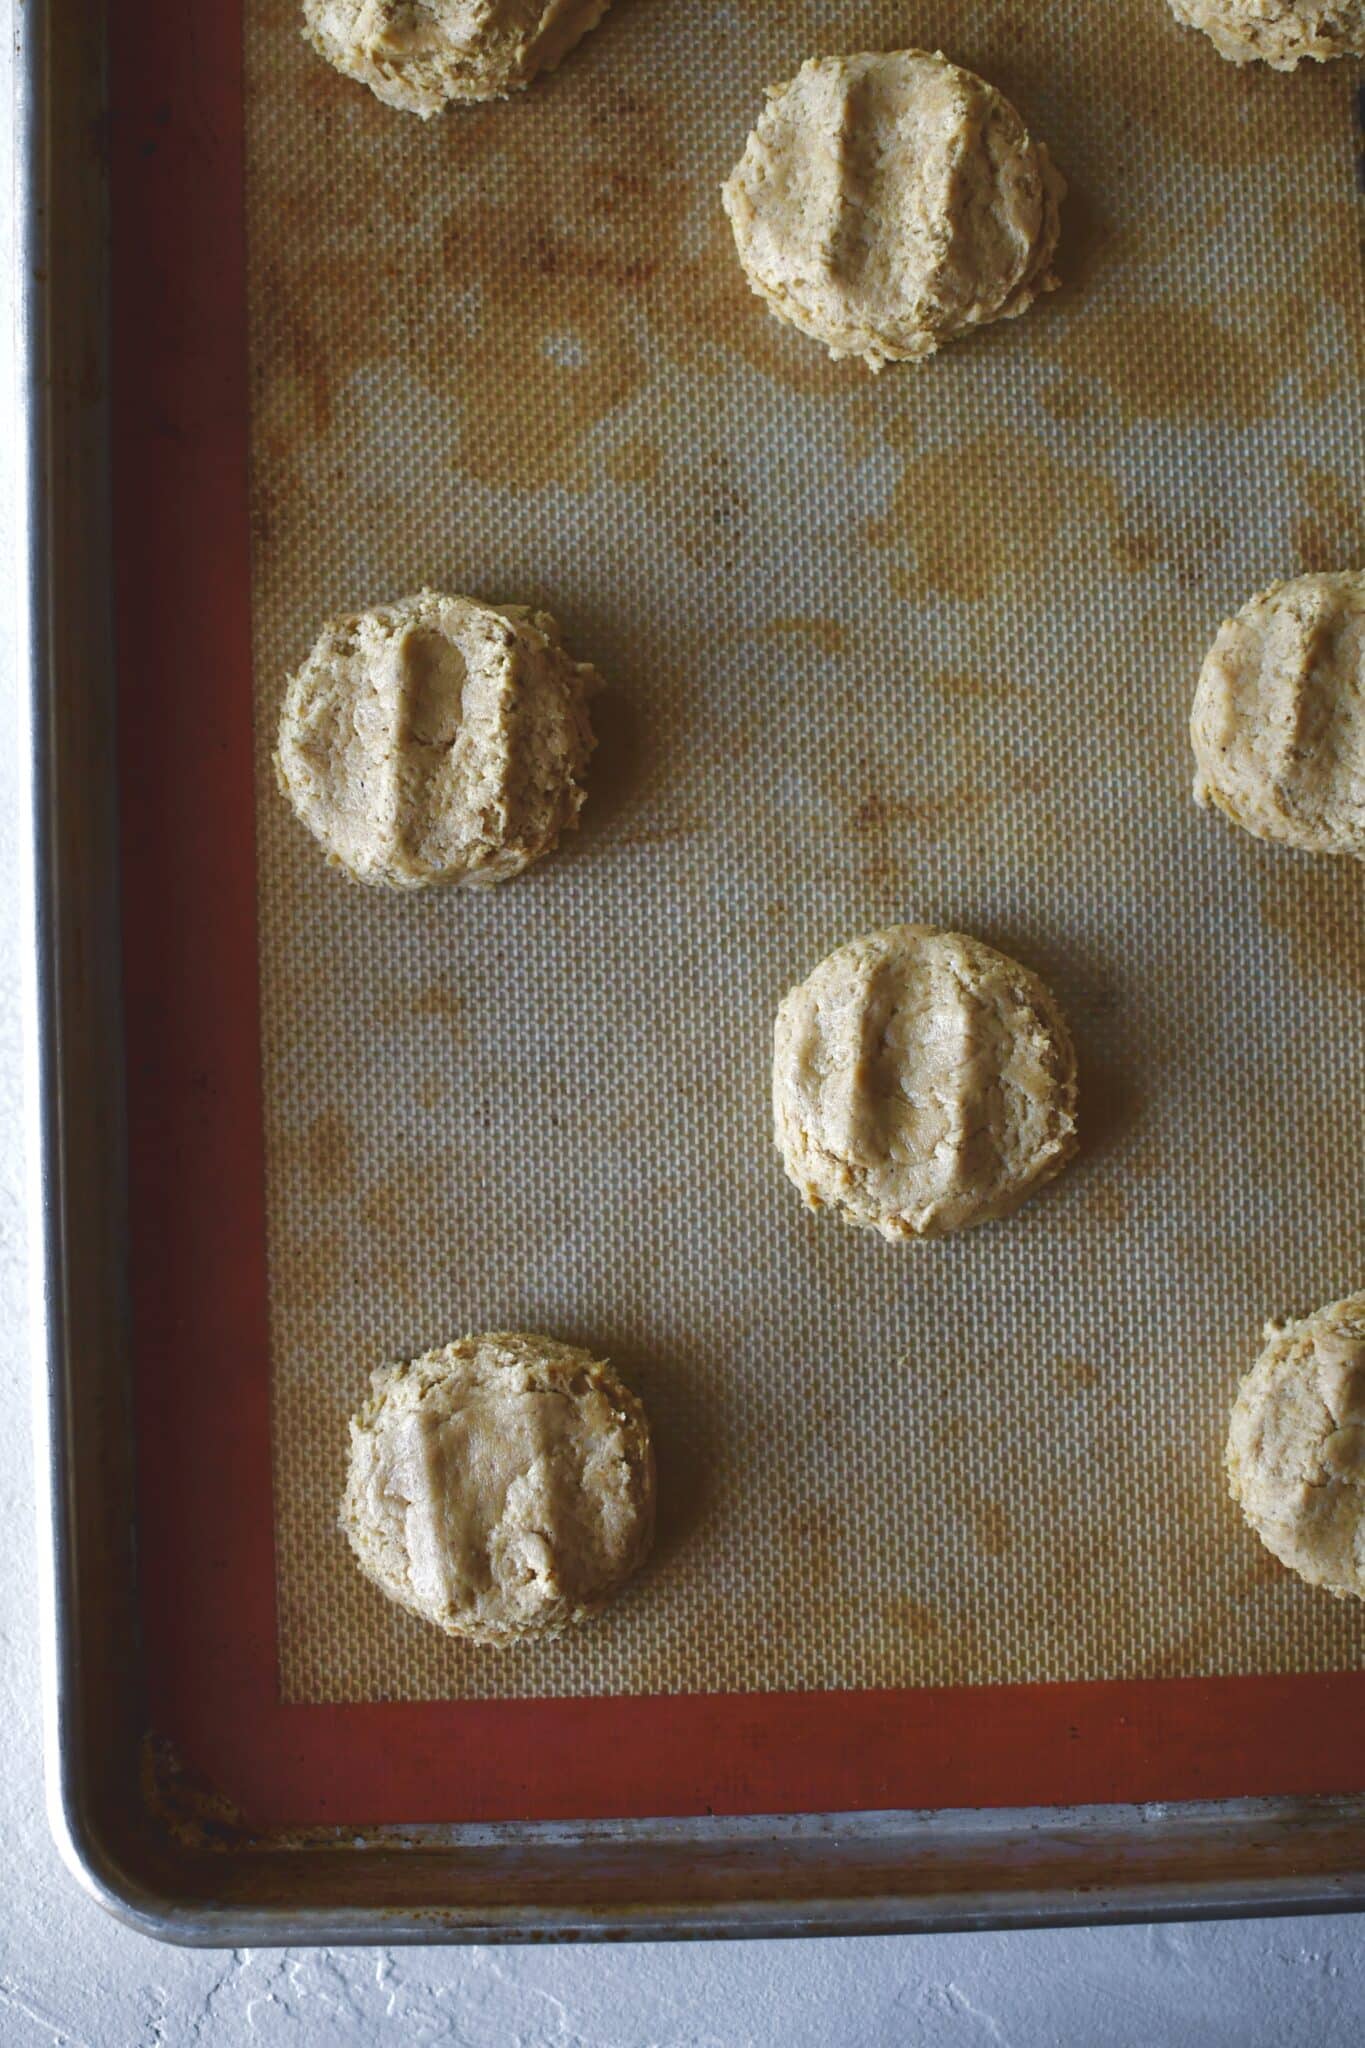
column 501, row 1488
column 437, row 740
column 1279, row 715
column 1296, row 1446
column 921, row 1082
column 1279, row 32
column 885, row 203
column 420, row 55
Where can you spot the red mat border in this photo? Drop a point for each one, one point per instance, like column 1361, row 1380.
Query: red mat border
column 197, row 1192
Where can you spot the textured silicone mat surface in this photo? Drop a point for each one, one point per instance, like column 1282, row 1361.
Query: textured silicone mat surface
column 913, row 647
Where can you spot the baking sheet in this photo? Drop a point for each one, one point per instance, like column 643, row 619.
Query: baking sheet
column 919, row 647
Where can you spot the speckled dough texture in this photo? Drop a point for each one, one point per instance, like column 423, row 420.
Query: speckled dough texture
column 887, row 202
column 1296, row 1446
column 1281, row 33
column 436, row 740
column 915, row 647
column 1278, row 725
column 502, row 1487
column 420, row 55
column 921, row 1082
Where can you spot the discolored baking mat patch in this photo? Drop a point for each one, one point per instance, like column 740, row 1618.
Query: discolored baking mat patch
column 913, row 647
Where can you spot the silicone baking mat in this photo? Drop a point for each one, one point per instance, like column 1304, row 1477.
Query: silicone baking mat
column 914, row 647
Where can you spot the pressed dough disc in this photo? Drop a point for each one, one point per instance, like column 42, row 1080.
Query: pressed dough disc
column 889, row 201
column 1280, row 33
column 1278, row 725
column 1296, row 1446
column 437, row 740
column 420, row 55
column 921, row 1082
column 502, row 1487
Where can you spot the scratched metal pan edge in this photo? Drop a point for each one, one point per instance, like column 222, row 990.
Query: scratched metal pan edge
column 846, row 1873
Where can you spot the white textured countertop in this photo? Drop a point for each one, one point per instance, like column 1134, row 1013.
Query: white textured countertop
column 69, row 1974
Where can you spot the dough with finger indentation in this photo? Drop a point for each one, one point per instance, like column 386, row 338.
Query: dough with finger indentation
column 420, row 55
column 502, row 1487
column 1296, row 1446
column 1278, row 725
column 889, row 201
column 1280, row 33
column 921, row 1082
column 437, row 740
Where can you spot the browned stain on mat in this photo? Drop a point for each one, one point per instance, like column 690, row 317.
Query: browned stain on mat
column 314, row 341
column 1329, row 533
column 714, row 496
column 1335, row 270
column 386, row 1205
column 992, row 1528
column 547, row 243
column 826, row 634
column 1076, row 1375
column 440, row 1000
column 335, row 284
column 965, row 520
column 1316, row 904
column 957, row 683
column 554, row 273
column 328, row 1256
column 635, row 460
column 329, row 1153
column 1072, row 401
column 1149, row 537
column 916, row 1617
column 879, row 814
column 1177, row 362
column 892, row 807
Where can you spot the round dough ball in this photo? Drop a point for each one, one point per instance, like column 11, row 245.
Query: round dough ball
column 1280, row 32
column 502, row 1487
column 1296, row 1446
column 1279, row 715
column 420, row 55
column 885, row 203
column 437, row 740
column 921, row 1082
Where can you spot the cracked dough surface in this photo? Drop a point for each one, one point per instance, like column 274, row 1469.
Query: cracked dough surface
column 1280, row 33
column 419, row 55
column 1278, row 725
column 887, row 202
column 501, row 1487
column 1296, row 1446
column 921, row 1082
column 437, row 740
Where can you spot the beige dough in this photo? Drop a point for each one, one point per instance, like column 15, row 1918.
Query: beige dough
column 502, row 1487
column 1296, row 1446
column 885, row 203
column 437, row 740
column 420, row 55
column 1280, row 32
column 1278, row 725
column 921, row 1082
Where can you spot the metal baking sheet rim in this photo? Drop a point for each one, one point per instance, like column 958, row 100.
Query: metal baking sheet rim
column 846, row 1873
